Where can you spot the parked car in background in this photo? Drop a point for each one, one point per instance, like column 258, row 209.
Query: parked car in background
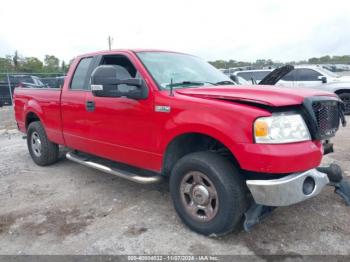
column 342, row 89
column 336, row 67
column 5, row 95
column 253, row 76
column 60, row 81
column 311, row 77
column 50, row 82
column 240, row 80
column 230, row 71
column 26, row 81
column 53, row 82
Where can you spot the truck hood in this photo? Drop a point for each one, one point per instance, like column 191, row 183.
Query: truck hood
column 264, row 95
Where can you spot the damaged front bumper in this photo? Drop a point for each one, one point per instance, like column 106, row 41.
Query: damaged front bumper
column 292, row 189
column 288, row 190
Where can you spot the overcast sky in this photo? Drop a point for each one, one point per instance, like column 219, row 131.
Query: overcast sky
column 216, row 29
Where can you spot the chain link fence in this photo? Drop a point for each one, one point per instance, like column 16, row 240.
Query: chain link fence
column 9, row 81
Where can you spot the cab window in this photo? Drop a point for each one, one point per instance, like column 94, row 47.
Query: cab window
column 79, row 81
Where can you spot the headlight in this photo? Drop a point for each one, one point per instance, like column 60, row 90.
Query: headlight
column 280, row 129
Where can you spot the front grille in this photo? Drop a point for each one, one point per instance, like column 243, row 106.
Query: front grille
column 327, row 116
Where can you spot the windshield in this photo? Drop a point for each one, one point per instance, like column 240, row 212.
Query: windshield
column 181, row 69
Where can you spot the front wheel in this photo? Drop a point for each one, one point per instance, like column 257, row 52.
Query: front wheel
column 41, row 149
column 345, row 97
column 208, row 193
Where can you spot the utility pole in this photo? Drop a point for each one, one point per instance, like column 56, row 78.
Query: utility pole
column 110, row 41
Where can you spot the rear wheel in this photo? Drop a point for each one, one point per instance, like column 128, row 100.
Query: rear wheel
column 208, row 193
column 345, row 97
column 42, row 151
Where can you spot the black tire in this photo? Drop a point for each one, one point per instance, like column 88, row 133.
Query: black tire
column 48, row 151
column 345, row 97
column 230, row 188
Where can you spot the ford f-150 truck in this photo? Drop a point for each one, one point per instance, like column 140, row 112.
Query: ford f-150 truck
column 231, row 153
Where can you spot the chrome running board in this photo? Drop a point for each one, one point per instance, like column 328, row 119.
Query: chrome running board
column 113, row 171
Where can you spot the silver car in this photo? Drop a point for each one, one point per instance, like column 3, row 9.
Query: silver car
column 293, row 77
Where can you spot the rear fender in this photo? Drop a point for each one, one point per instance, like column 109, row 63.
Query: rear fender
column 33, row 106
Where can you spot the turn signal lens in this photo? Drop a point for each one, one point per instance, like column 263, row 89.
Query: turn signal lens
column 261, row 128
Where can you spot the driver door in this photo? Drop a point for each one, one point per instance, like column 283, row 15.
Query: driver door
column 122, row 128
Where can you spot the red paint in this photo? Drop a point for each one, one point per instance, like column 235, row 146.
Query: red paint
column 268, row 95
column 130, row 131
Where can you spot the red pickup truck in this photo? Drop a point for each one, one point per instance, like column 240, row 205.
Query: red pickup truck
column 229, row 151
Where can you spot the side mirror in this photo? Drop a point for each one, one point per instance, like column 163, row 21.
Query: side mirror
column 106, row 82
column 323, row 79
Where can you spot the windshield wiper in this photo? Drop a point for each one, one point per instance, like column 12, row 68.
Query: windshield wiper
column 199, row 83
column 225, row 82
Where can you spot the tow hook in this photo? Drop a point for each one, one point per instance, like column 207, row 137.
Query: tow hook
column 340, row 183
column 255, row 214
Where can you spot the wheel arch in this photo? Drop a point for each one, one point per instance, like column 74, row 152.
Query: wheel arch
column 32, row 112
column 190, row 142
column 31, row 117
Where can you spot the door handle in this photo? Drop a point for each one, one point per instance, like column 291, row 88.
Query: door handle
column 90, row 106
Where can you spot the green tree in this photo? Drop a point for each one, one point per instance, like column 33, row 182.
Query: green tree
column 262, row 62
column 219, row 63
column 345, row 59
column 6, row 64
column 64, row 67
column 32, row 65
column 228, row 64
column 314, row 60
column 325, row 59
column 16, row 60
column 51, row 63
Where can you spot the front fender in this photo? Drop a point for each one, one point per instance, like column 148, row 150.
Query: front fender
column 228, row 128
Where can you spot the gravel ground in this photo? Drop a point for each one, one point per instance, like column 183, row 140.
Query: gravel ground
column 70, row 209
column 6, row 118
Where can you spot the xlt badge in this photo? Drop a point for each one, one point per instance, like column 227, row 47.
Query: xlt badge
column 164, row 109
